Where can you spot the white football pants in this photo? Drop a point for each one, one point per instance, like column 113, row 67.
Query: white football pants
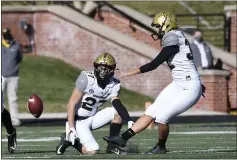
column 11, row 85
column 175, row 99
column 2, row 99
column 2, row 96
column 84, row 127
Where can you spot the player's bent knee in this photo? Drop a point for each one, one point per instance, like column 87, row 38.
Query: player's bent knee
column 91, row 152
column 151, row 111
column 112, row 112
column 161, row 121
column 90, row 147
column 84, row 151
column 163, row 118
column 117, row 119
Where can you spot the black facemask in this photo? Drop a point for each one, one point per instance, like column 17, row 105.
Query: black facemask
column 103, row 75
column 158, row 35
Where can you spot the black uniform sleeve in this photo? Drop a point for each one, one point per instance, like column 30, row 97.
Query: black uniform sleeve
column 163, row 56
column 122, row 111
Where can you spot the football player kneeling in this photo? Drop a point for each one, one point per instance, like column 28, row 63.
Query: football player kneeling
column 92, row 90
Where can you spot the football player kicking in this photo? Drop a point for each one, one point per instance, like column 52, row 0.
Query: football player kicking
column 92, row 90
column 11, row 131
column 181, row 94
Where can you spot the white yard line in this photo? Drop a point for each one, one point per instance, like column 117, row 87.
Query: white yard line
column 201, row 151
column 26, row 157
column 206, row 132
column 46, row 131
column 31, row 145
column 43, row 139
column 48, row 139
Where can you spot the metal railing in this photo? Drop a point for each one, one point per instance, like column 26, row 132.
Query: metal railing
column 216, row 27
column 131, row 19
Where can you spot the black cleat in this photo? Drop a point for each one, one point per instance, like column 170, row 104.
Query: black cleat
column 113, row 149
column 116, row 140
column 119, row 151
column 110, row 147
column 157, row 150
column 12, row 141
column 63, row 144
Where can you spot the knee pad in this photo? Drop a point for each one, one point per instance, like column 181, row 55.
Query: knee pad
column 91, row 145
column 161, row 121
column 151, row 111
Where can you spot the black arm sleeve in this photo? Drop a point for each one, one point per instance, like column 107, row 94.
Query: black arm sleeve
column 122, row 111
column 163, row 56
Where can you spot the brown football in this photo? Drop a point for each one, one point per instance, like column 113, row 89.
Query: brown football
column 35, row 105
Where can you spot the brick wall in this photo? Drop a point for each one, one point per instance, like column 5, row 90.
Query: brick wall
column 58, row 38
column 12, row 21
column 231, row 86
column 231, row 12
column 216, row 97
column 121, row 24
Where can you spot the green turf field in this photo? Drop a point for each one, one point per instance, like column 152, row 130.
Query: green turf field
column 186, row 141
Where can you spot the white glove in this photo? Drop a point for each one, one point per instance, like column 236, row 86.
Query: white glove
column 72, row 135
column 130, row 123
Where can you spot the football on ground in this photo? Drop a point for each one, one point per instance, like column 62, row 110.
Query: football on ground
column 35, row 105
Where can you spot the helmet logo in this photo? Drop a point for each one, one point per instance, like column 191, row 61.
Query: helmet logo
column 104, row 58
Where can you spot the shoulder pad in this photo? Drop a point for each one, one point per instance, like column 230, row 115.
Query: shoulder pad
column 91, row 77
column 90, row 74
column 82, row 81
column 170, row 39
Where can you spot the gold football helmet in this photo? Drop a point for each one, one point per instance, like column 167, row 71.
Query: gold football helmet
column 164, row 22
column 105, row 59
column 104, row 66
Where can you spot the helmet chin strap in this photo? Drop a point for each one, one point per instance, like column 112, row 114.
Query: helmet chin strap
column 103, row 82
column 158, row 35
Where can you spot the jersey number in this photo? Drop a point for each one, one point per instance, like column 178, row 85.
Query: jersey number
column 90, row 102
column 189, row 55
